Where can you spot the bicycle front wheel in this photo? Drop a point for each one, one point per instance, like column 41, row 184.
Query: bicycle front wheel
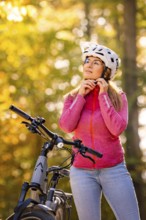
column 29, row 214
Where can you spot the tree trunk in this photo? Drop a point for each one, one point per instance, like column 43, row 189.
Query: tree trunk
column 87, row 30
column 130, row 83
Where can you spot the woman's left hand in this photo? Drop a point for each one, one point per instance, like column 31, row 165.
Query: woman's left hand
column 103, row 85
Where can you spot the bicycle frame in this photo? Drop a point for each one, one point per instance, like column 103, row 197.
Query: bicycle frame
column 40, row 197
column 48, row 201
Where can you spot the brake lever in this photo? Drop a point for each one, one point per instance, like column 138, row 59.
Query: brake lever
column 31, row 127
column 88, row 157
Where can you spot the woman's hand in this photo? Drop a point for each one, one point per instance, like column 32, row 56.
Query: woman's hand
column 103, row 85
column 86, row 87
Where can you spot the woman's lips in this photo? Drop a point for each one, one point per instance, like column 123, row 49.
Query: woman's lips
column 88, row 71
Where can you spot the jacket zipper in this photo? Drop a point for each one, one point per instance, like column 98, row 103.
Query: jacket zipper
column 91, row 124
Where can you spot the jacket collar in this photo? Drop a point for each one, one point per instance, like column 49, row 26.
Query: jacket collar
column 92, row 102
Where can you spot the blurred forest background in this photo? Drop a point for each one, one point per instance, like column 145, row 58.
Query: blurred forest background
column 40, row 61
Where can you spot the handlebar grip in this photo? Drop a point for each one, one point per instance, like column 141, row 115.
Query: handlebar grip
column 20, row 112
column 89, row 150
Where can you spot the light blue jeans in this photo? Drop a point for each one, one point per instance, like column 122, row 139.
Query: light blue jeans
column 116, row 185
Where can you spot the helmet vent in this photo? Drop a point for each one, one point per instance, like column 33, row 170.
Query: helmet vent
column 100, row 53
column 112, row 59
column 94, row 48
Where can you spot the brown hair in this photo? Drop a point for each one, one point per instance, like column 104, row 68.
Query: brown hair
column 113, row 91
column 115, row 96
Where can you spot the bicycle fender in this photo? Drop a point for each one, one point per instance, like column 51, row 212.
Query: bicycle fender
column 44, row 208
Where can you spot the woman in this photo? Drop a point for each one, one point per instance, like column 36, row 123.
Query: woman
column 97, row 114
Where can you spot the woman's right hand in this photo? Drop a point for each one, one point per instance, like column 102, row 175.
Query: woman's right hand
column 86, row 87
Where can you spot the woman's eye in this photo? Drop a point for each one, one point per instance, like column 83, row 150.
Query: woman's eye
column 96, row 62
column 86, row 60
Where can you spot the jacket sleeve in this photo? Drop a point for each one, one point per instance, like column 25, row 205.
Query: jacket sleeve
column 71, row 113
column 116, row 122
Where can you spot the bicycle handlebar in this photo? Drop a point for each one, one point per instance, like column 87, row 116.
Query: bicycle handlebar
column 29, row 118
column 21, row 113
column 59, row 140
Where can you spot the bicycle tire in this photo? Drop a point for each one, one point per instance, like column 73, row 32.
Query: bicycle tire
column 32, row 214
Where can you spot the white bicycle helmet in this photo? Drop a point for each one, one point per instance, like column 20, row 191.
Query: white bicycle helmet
column 108, row 56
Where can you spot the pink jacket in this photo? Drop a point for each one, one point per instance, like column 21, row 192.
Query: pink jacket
column 94, row 120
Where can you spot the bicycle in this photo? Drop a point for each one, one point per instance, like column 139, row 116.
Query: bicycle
column 46, row 202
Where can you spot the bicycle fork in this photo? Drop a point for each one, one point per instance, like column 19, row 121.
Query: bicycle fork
column 50, row 202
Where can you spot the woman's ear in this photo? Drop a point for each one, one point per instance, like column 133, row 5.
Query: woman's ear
column 107, row 74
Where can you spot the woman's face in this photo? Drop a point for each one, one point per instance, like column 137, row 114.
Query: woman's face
column 93, row 68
